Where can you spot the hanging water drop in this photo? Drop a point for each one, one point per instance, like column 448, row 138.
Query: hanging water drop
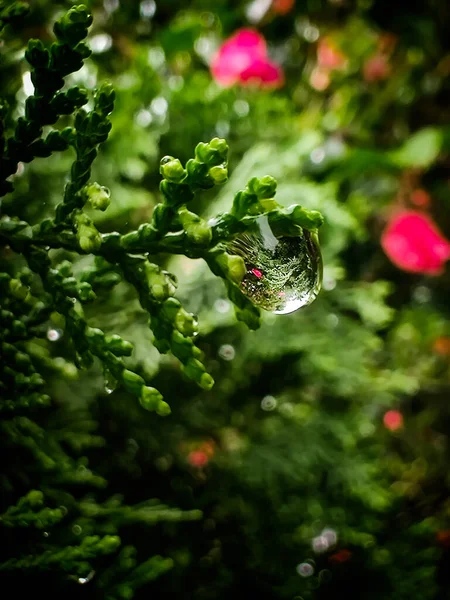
column 110, row 381
column 283, row 273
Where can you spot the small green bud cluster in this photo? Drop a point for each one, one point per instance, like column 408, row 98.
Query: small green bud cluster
column 250, row 200
column 88, row 236
column 197, row 229
column 97, row 196
column 30, row 510
column 208, row 168
column 62, row 278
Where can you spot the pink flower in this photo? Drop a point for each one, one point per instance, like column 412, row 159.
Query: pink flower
column 319, row 79
column 243, row 59
column 329, row 56
column 413, row 243
column 393, row 420
column 376, row 68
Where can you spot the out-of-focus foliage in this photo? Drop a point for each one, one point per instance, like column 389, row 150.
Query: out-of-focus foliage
column 319, row 459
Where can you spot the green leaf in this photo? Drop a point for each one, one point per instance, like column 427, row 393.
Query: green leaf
column 420, row 150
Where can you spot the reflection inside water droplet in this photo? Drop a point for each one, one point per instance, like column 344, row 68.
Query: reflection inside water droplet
column 283, row 273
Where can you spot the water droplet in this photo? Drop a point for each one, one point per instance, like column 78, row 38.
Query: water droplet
column 54, row 334
column 283, row 273
column 195, row 325
column 227, row 352
column 76, row 529
column 305, row 569
column 86, row 579
column 46, row 534
column 110, row 382
column 269, row 403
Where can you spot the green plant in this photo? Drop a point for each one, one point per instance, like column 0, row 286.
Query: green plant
column 38, row 287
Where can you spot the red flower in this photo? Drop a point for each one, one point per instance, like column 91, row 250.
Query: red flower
column 442, row 346
column 443, row 538
column 413, row 243
column 341, row 557
column 420, row 198
column 329, row 56
column 376, row 68
column 282, row 7
column 243, row 59
column 387, row 42
column 198, row 458
column 393, row 420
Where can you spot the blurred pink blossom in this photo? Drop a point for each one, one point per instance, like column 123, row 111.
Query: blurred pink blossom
column 319, row 79
column 414, row 243
column 243, row 59
column 376, row 68
column 329, row 56
column 393, row 420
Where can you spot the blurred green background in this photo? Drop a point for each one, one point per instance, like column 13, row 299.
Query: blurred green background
column 320, row 458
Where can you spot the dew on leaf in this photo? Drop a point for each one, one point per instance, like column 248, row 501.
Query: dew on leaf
column 282, row 273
